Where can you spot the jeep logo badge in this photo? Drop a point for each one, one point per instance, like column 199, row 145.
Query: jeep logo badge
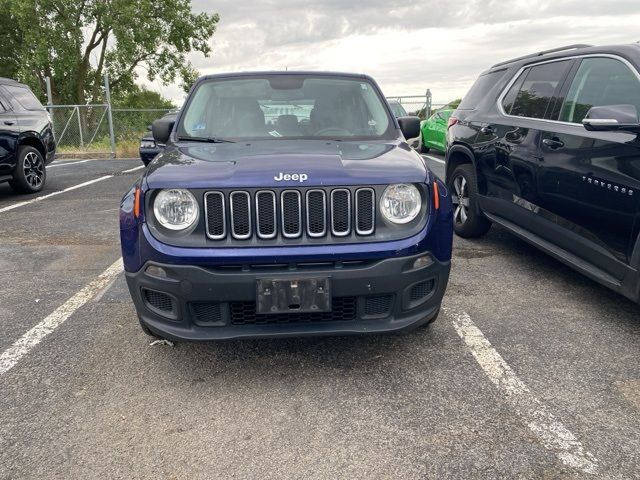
column 300, row 177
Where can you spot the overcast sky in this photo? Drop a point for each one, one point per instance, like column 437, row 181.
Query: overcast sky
column 407, row 46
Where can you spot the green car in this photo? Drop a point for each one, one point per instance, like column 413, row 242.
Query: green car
column 434, row 131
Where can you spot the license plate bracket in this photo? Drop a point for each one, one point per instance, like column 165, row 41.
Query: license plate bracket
column 293, row 295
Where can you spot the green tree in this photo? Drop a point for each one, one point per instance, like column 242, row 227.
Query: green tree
column 140, row 97
column 75, row 42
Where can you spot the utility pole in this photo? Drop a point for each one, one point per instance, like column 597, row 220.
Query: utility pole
column 107, row 96
column 47, row 81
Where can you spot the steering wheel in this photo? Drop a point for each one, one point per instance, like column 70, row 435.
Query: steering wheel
column 329, row 131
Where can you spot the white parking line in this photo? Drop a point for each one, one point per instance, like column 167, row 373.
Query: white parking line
column 133, row 169
column 75, row 162
column 11, row 356
column 44, row 197
column 550, row 431
column 435, row 159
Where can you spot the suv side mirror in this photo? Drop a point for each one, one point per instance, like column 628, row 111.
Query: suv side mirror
column 161, row 129
column 612, row 118
column 410, row 126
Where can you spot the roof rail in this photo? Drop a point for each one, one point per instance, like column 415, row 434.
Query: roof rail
column 544, row 52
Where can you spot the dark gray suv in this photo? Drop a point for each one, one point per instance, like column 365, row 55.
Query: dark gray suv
column 26, row 138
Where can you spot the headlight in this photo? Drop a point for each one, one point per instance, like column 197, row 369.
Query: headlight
column 176, row 209
column 147, row 144
column 400, row 203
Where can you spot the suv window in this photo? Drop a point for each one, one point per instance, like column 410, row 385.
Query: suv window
column 480, row 88
column 600, row 82
column 24, row 97
column 532, row 93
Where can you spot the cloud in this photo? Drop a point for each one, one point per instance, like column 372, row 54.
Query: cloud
column 407, row 46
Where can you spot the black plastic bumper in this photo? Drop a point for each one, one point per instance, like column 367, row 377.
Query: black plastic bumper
column 196, row 303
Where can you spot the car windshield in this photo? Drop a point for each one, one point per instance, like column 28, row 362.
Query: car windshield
column 285, row 106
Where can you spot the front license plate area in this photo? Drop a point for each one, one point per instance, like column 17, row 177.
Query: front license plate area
column 279, row 295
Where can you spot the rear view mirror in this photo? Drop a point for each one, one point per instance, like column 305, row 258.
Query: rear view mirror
column 410, row 126
column 612, row 118
column 161, row 129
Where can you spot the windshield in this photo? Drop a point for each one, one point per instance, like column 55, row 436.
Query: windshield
column 285, row 106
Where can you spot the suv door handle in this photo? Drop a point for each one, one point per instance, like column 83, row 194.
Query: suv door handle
column 553, row 143
column 486, row 130
column 8, row 122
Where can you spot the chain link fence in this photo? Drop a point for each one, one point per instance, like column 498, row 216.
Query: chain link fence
column 84, row 130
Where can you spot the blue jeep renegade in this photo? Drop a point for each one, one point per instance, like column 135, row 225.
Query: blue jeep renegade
column 285, row 204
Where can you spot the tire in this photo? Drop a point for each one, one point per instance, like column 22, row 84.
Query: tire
column 463, row 185
column 30, row 173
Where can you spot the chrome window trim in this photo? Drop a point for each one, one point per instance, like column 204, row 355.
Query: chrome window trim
column 348, row 230
column 224, row 216
column 275, row 215
column 233, row 232
column 373, row 212
column 299, row 232
column 560, row 59
column 324, row 213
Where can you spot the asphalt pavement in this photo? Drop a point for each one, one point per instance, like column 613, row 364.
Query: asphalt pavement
column 531, row 370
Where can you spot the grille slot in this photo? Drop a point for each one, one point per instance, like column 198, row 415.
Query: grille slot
column 240, row 205
column 377, row 306
column 244, row 313
column 365, row 211
column 316, row 213
column 158, row 300
column 420, row 290
column 340, row 212
column 266, row 214
column 291, row 213
column 215, row 215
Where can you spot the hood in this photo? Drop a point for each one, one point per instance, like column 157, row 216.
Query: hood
column 285, row 163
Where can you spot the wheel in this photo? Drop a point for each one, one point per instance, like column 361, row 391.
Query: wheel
column 30, row 173
column 467, row 222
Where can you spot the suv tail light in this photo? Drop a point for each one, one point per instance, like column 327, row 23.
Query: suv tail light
column 452, row 121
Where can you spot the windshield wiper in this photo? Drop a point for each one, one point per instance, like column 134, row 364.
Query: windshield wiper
column 206, row 139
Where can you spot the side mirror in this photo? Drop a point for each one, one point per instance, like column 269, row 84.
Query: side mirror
column 410, row 126
column 612, row 118
column 161, row 129
column 149, row 128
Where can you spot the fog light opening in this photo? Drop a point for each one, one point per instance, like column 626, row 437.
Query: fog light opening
column 422, row 262
column 155, row 271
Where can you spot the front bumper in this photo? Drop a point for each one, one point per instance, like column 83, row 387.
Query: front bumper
column 199, row 303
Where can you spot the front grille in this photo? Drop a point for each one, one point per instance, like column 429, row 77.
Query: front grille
column 244, row 313
column 289, row 213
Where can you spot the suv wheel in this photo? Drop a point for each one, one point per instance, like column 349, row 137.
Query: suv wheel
column 30, row 173
column 467, row 222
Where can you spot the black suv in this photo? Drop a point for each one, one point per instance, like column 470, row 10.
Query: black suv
column 26, row 138
column 548, row 147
